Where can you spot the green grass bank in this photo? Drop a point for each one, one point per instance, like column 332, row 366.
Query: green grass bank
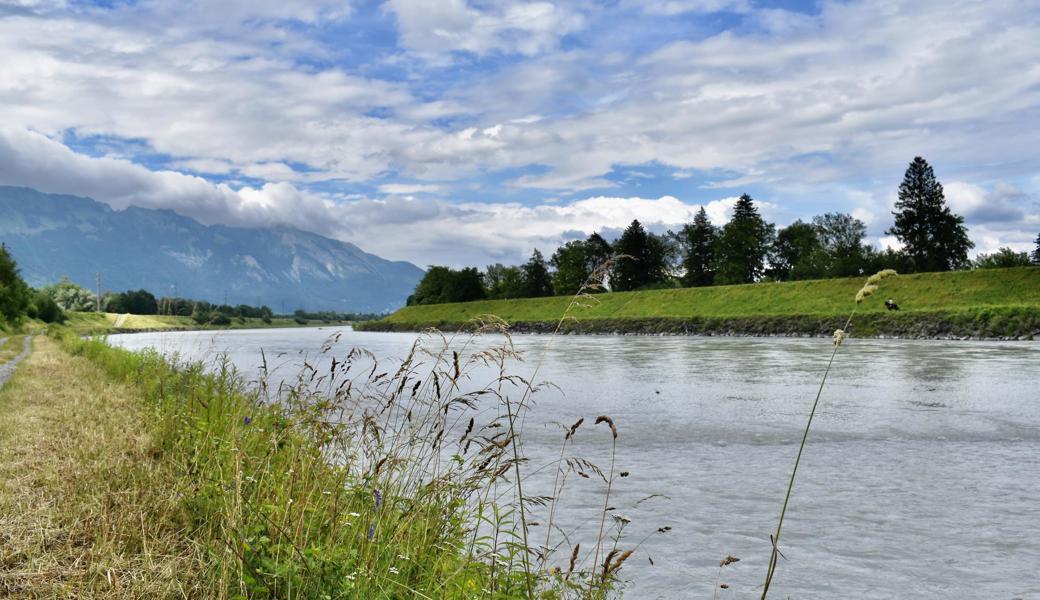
column 988, row 303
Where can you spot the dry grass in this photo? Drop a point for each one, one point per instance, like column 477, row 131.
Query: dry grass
column 87, row 507
column 10, row 348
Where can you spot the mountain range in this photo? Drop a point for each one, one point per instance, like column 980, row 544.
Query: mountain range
column 52, row 235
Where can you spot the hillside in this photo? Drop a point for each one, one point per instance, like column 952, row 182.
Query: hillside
column 54, row 235
column 989, row 303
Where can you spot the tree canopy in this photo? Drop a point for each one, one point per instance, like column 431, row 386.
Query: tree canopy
column 743, row 244
column 934, row 239
column 575, row 262
column 15, row 297
column 642, row 259
column 443, row 284
column 697, row 241
column 1001, row 259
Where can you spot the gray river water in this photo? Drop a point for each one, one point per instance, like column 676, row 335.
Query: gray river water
column 921, row 478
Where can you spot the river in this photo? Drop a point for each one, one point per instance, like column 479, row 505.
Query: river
column 921, row 478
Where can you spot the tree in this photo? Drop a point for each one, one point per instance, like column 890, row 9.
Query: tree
column 442, row 284
column 1003, row 258
column 642, row 259
column 934, row 238
column 697, row 241
column 796, row 253
column 537, row 282
column 46, row 309
column 569, row 272
column 70, row 296
column 15, row 297
column 1036, row 253
column 503, row 282
column 135, row 302
column 575, row 262
column 841, row 236
column 743, row 244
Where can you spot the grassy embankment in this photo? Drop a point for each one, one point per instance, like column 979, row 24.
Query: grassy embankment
column 88, row 323
column 123, row 476
column 981, row 303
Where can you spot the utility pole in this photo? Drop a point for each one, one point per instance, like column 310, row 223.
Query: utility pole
column 99, row 291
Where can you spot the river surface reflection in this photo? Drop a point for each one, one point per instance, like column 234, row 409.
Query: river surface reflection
column 921, row 478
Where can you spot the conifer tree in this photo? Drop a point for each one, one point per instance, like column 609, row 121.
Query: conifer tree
column 934, row 239
column 537, row 282
column 642, row 259
column 743, row 244
column 698, row 241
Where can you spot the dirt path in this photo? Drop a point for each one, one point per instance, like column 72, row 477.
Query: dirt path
column 86, row 505
column 7, row 368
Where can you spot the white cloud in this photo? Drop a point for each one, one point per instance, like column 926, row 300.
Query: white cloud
column 676, row 7
column 406, row 189
column 444, row 26
column 800, row 105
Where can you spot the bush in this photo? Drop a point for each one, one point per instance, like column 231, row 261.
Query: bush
column 220, row 319
column 46, row 309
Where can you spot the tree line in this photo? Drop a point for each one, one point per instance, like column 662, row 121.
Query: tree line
column 50, row 303
column 746, row 249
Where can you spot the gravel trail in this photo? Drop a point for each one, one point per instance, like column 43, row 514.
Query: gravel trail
column 8, row 367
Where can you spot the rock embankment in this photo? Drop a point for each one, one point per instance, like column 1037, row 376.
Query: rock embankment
column 991, row 324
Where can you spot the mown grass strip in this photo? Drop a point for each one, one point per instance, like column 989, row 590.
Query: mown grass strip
column 87, row 506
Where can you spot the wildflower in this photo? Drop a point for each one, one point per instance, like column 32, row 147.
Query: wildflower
column 378, row 498
column 246, row 420
column 839, row 336
column 622, row 519
column 394, row 570
column 354, row 514
column 371, row 531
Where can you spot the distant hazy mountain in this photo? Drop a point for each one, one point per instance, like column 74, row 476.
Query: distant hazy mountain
column 158, row 250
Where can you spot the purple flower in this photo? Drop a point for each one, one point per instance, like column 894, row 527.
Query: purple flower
column 371, row 531
column 246, row 420
column 378, row 497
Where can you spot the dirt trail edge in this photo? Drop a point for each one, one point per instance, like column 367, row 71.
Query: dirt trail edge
column 8, row 367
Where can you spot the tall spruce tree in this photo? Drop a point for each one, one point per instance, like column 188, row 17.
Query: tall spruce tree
column 698, row 241
column 743, row 244
column 643, row 259
column 933, row 237
column 1036, row 253
column 537, row 282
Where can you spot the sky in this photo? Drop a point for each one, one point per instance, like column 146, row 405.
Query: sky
column 467, row 132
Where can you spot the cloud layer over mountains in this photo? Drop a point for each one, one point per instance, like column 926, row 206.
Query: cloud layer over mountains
column 479, row 130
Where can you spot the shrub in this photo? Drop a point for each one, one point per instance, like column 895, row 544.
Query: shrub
column 46, row 309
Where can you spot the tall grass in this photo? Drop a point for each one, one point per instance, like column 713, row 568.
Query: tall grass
column 362, row 480
column 867, row 290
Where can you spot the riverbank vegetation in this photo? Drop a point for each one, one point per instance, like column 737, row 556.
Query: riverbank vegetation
column 131, row 476
column 746, row 249
column 980, row 303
